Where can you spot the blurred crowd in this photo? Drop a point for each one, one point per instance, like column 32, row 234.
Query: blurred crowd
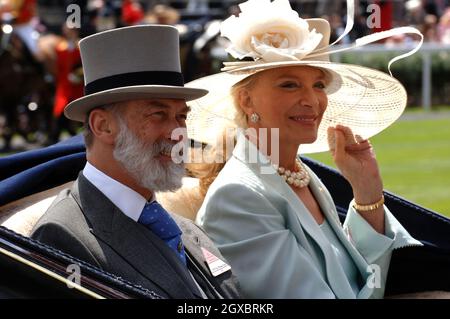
column 40, row 64
column 431, row 17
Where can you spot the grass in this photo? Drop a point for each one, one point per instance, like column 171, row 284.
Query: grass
column 414, row 158
column 436, row 109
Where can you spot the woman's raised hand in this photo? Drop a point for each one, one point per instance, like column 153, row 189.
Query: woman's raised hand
column 355, row 158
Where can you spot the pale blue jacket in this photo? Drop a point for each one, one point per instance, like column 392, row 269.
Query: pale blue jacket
column 265, row 232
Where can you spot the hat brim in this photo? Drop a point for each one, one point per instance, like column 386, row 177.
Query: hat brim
column 364, row 99
column 77, row 110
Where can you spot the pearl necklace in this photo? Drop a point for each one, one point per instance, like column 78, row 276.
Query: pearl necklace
column 299, row 179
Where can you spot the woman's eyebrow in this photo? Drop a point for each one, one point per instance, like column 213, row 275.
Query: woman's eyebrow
column 294, row 77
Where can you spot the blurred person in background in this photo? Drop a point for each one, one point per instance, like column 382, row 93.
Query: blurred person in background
column 337, row 28
column 162, row 14
column 414, row 13
column 69, row 81
column 21, row 14
column 198, row 6
column 444, row 27
column 103, row 15
column 132, row 12
column 429, row 28
column 434, row 7
column 386, row 16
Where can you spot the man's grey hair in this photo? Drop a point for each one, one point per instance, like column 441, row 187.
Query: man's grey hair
column 115, row 108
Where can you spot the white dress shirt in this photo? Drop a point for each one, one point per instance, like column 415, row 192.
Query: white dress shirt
column 130, row 202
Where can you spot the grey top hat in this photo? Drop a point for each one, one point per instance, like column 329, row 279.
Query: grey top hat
column 139, row 62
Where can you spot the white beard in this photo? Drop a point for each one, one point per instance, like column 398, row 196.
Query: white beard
column 139, row 160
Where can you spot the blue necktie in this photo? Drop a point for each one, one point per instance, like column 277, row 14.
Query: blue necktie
column 158, row 220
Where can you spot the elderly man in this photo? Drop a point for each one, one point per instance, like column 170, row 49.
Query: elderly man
column 134, row 99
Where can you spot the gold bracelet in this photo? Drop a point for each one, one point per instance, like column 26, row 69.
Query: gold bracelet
column 367, row 208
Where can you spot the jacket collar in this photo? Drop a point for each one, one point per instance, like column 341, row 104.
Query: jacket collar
column 130, row 202
column 245, row 152
column 144, row 251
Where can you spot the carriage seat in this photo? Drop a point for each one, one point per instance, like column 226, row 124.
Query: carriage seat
column 22, row 214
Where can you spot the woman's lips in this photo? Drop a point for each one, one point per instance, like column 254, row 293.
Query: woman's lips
column 304, row 119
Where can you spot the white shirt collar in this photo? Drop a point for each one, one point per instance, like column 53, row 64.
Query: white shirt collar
column 127, row 200
column 130, row 202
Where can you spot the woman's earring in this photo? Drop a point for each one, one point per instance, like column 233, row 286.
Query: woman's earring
column 254, row 118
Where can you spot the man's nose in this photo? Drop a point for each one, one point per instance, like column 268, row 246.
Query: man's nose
column 176, row 132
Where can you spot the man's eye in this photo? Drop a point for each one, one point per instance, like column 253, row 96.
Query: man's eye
column 159, row 114
column 289, row 85
column 182, row 117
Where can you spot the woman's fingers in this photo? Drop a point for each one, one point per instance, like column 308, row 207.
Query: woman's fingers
column 331, row 139
column 360, row 146
column 340, row 144
column 348, row 134
column 359, row 139
column 342, row 138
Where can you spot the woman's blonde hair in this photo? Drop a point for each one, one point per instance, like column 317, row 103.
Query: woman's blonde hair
column 240, row 119
column 207, row 172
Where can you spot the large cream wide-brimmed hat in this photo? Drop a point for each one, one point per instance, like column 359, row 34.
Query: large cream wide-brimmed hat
column 131, row 63
column 274, row 36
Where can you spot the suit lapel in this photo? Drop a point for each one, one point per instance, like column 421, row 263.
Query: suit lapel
column 323, row 197
column 193, row 244
column 336, row 276
column 143, row 250
column 325, row 201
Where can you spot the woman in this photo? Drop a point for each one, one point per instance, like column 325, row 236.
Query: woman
column 268, row 213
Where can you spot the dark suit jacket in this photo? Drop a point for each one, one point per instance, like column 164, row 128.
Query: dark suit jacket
column 86, row 224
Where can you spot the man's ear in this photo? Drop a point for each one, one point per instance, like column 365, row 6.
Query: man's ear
column 245, row 102
column 104, row 125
